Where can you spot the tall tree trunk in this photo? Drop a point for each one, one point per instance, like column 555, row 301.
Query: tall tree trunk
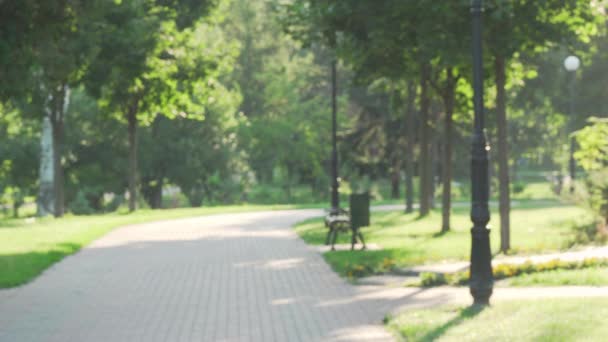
column 287, row 184
column 425, row 153
column 410, row 122
column 447, row 151
column 504, row 201
column 157, row 197
column 152, row 191
column 435, row 170
column 395, row 156
column 58, row 168
column 132, row 120
column 395, row 179
column 17, row 202
column 46, row 196
column 60, row 107
column 16, row 210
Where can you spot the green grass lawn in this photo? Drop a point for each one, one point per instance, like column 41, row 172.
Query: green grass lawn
column 27, row 249
column 536, row 226
column 534, row 320
column 597, row 276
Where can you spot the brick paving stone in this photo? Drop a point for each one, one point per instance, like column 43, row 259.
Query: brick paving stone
column 234, row 277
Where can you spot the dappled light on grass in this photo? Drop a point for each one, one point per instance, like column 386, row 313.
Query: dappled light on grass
column 408, row 240
column 530, row 320
column 596, row 276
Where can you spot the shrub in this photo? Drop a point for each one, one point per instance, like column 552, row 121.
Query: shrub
column 504, row 271
column 428, row 279
column 115, row 203
column 80, row 205
column 592, row 156
column 518, row 187
column 388, row 265
column 358, row 270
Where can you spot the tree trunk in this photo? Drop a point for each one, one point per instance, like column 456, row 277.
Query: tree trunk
column 46, row 195
column 152, row 191
column 17, row 203
column 410, row 122
column 58, row 167
column 59, row 106
column 395, row 156
column 157, row 197
column 395, row 179
column 132, row 120
column 425, row 153
column 435, row 170
column 503, row 154
column 447, row 151
column 288, row 184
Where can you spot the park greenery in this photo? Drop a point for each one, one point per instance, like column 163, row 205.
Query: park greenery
column 107, row 105
column 539, row 226
column 590, row 271
column 572, row 319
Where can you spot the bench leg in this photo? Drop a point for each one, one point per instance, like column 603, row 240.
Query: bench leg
column 333, row 238
column 327, row 239
column 361, row 238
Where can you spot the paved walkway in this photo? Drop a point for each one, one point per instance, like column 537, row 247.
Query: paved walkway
column 237, row 277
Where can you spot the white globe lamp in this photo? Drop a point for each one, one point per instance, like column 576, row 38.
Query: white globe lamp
column 571, row 63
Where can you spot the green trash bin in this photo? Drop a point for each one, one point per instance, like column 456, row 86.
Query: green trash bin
column 359, row 210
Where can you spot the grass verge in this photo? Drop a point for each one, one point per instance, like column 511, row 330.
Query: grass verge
column 580, row 319
column 407, row 239
column 526, row 274
column 595, row 276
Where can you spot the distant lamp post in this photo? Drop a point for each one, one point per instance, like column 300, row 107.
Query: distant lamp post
column 481, row 282
column 335, row 198
column 572, row 63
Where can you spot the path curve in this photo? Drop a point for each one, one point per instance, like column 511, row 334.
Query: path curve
column 233, row 277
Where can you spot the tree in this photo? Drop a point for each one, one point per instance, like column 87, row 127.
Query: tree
column 136, row 70
column 593, row 158
column 96, row 153
column 400, row 41
column 49, row 48
column 19, row 150
column 525, row 26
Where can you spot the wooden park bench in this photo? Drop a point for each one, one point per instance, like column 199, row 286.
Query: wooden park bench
column 340, row 221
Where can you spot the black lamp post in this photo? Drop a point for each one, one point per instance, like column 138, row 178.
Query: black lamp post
column 571, row 63
column 335, row 198
column 482, row 280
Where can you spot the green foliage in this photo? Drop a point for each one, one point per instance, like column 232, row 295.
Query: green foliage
column 358, row 270
column 592, row 276
column 428, row 279
column 19, row 149
column 592, row 156
column 114, row 203
column 587, row 231
column 246, row 83
column 518, row 187
column 80, row 205
column 504, row 271
column 408, row 240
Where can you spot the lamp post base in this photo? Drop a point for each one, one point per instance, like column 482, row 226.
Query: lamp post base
column 482, row 280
